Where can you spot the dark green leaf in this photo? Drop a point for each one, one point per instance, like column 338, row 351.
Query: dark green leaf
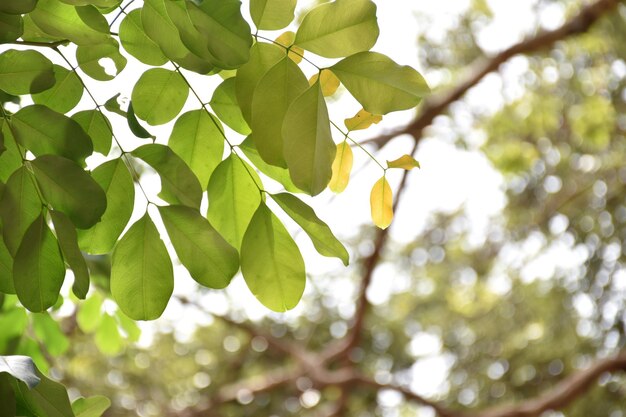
column 98, row 127
column 210, row 260
column 113, row 105
column 91, row 407
column 44, row 131
column 233, row 197
column 224, row 104
column 271, row 262
column 339, row 28
column 68, row 241
column 272, row 14
column 65, row 94
column 69, row 189
column 17, row 7
column 137, row 43
column 8, row 408
column 379, row 84
column 38, row 269
column 10, row 158
column 308, row 144
column 20, row 367
column 198, row 139
column 47, row 399
column 11, row 27
column 6, row 270
column 142, row 277
column 115, row 179
column 134, row 125
column 273, row 95
column 159, row 95
column 25, row 72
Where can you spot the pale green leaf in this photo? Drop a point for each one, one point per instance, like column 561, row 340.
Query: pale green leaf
column 271, row 263
column 25, row 72
column 224, row 104
column 107, row 337
column 68, row 241
column 308, row 144
column 98, row 127
column 272, row 14
column 159, row 95
column 276, row 173
column 69, row 189
column 210, row 260
column 322, row 237
column 48, row 329
column 137, row 43
column 90, row 407
column 89, row 59
column 339, row 28
column 89, row 313
column 275, row 92
column 65, row 94
column 142, row 277
column 379, row 84
column 64, row 21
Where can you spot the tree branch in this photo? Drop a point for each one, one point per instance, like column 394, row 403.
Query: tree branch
column 438, row 104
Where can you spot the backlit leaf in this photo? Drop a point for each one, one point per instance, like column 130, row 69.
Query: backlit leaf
column 115, row 179
column 38, row 269
column 362, row 120
column 275, row 92
column 308, row 144
column 48, row 329
column 134, row 125
column 381, row 203
column 142, row 277
column 224, row 104
column 68, row 241
column 89, row 313
column 328, row 80
column 322, row 237
column 295, row 52
column 339, row 28
column 69, row 189
column 379, row 84
column 210, row 260
column 199, row 142
column 271, row 263
column 404, row 162
column 89, row 59
column 137, row 43
column 233, row 198
column 98, row 127
column 276, row 173
column 63, row 21
column 272, row 14
column 65, row 94
column 91, row 407
column 25, row 72
column 107, row 337
column 159, row 95
column 263, row 56
column 179, row 185
column 342, row 166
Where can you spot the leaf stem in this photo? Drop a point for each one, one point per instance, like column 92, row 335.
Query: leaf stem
column 288, row 49
column 346, row 136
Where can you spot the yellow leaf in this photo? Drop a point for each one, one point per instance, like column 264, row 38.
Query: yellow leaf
column 329, row 81
column 342, row 165
column 362, row 120
column 404, row 162
column 295, row 52
column 381, row 202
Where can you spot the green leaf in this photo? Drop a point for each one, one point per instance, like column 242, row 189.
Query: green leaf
column 116, row 181
column 340, row 28
column 322, row 237
column 97, row 127
column 20, row 367
column 308, row 144
column 134, row 125
column 19, row 207
column 38, row 269
column 89, row 313
column 10, row 158
column 91, row 407
column 8, row 397
column 137, row 43
column 69, row 189
column 6, row 270
column 11, row 27
column 179, row 185
column 275, row 92
column 92, row 16
column 113, row 105
column 276, row 173
column 159, row 95
column 198, row 139
column 65, row 94
column 210, row 260
column 379, row 84
column 227, row 33
column 68, row 241
column 224, row 104
column 272, row 14
column 90, row 56
column 17, row 7
column 130, row 327
column 263, row 56
column 233, row 198
column 62, row 20
column 107, row 337
column 49, row 331
column 142, row 277
column 47, row 399
column 159, row 27
column 271, row 262
column 25, row 72
column 44, row 131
